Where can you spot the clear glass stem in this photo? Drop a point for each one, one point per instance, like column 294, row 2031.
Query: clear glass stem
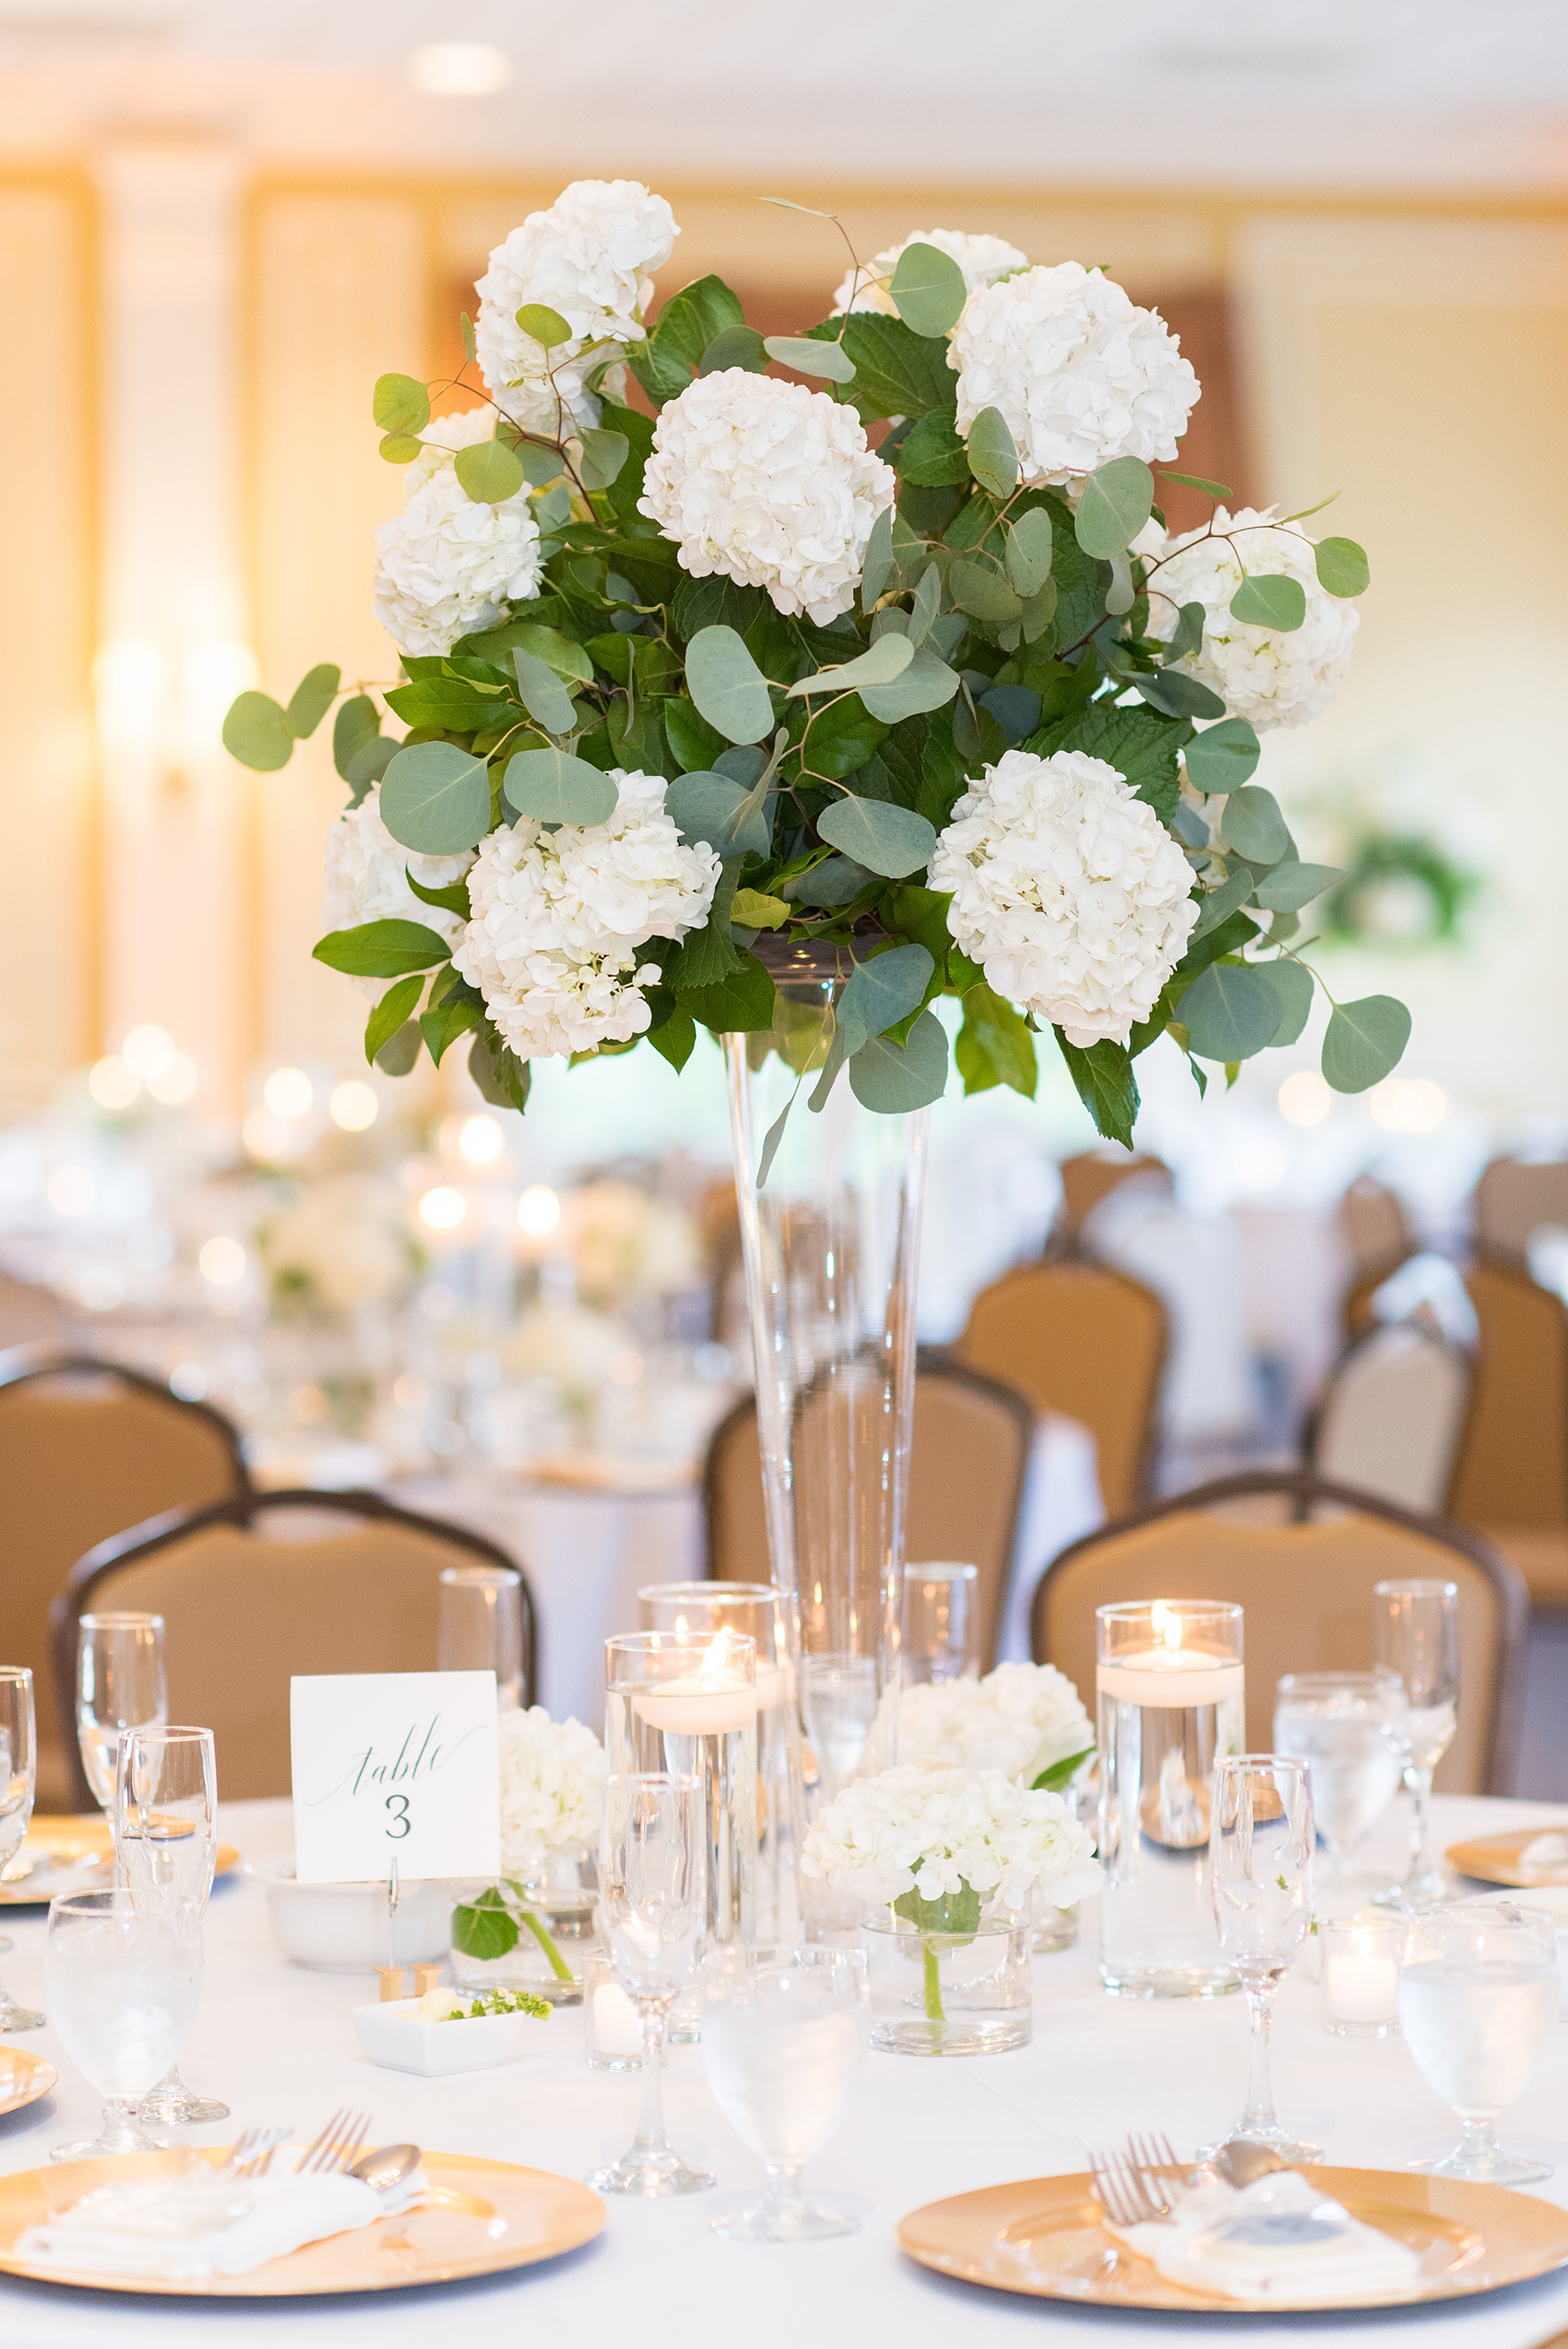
column 119, row 2127
column 649, row 2137
column 1419, row 1780
column 1258, row 2119
column 783, row 2198
column 1478, row 2149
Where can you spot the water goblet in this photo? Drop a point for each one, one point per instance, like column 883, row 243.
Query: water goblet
column 1418, row 1645
column 1261, row 1839
column 125, row 1977
column 1479, row 1989
column 480, row 1627
column 120, row 1685
column 166, row 1848
column 942, row 1623
column 784, row 2038
column 1342, row 1723
column 18, row 1779
column 652, row 1907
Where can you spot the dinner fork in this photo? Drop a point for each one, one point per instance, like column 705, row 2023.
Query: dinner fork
column 336, row 2146
column 252, row 2147
column 1123, row 2192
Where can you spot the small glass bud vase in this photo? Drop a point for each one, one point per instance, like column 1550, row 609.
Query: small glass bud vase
column 539, row 1959
column 948, row 1994
column 1051, row 1928
column 562, row 1890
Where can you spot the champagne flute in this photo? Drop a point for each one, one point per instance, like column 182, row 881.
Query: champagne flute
column 1478, row 1991
column 166, row 1848
column 480, row 1627
column 123, row 1982
column 18, row 1780
column 652, row 1905
column 784, row 2038
column 1418, row 1644
column 1261, row 1840
column 120, row 1685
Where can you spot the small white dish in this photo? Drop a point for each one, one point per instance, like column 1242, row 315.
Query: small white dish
column 397, row 2034
column 342, row 1929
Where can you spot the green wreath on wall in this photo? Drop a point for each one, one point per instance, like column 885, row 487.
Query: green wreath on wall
column 1399, row 890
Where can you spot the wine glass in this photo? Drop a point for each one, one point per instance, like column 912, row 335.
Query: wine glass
column 18, row 1779
column 784, row 2037
column 942, row 1623
column 166, row 1848
column 1261, row 1839
column 652, row 1906
column 1418, row 1644
column 120, row 1685
column 480, row 1627
column 1342, row 1723
column 1479, row 1989
column 123, row 1982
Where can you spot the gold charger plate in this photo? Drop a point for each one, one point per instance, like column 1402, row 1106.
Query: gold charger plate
column 69, row 1855
column 481, row 2217
column 24, row 2077
column 1044, row 2237
column 1495, row 1859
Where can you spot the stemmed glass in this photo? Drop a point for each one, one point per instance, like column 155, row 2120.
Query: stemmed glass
column 1418, row 1644
column 480, row 1627
column 1261, row 1839
column 784, row 2037
column 18, row 1779
column 166, row 1848
column 1478, row 1988
column 1342, row 1723
column 120, row 1685
column 652, row 1907
column 123, row 1982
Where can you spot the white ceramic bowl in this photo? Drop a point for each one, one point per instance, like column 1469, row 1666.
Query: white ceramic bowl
column 341, row 1929
column 395, row 2033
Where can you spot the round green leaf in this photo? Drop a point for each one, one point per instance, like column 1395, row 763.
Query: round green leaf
column 726, row 686
column 927, row 684
column 355, row 723
column 879, row 834
column 256, row 732
column 604, row 454
column 1030, row 545
column 892, row 1079
column 1176, row 695
column 436, row 798
column 544, row 324
column 401, row 449
column 1363, row 1041
column 928, row 290
column 368, row 764
column 1270, row 599
column 1187, row 635
column 400, row 405
column 887, row 659
column 544, row 697
column 1255, row 826
column 1293, row 984
column 490, row 471
column 312, row 698
column 1342, row 566
column 704, row 806
column 733, row 347
column 882, row 991
column 984, row 592
column 807, row 356
column 555, row 788
column 993, row 456
column 1292, row 885
column 1223, row 756
column 1113, row 507
column 1230, row 1012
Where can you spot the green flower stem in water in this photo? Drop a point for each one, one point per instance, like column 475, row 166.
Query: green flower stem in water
column 933, row 1963
column 487, row 1928
column 954, row 1916
column 537, row 1927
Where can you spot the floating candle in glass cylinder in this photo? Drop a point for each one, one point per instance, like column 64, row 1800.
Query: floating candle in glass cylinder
column 1361, row 1976
column 1171, row 1692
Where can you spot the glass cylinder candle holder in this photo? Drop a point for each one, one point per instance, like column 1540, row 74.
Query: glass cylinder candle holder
column 1172, row 1700
column 700, row 1610
column 1361, row 1976
column 611, row 2033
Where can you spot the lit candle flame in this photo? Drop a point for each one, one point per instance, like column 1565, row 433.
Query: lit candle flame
column 1167, row 1624
column 721, row 1666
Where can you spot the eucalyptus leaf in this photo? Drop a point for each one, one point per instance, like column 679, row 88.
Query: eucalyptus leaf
column 436, row 798
column 1219, row 904
column 1223, row 756
column 705, row 806
column 540, row 466
column 886, row 659
column 891, row 1079
column 399, row 404
column 1187, row 635
column 1342, row 566
column 553, row 787
column 984, row 592
column 604, row 454
column 993, row 456
column 1030, row 545
column 1121, row 595
column 755, row 909
column 543, row 324
column 256, row 732
column 544, row 697
column 726, row 686
column 1175, row 694
column 400, row 448
column 837, row 880
column 926, row 606
column 489, row 471
column 1363, row 1041
column 878, row 834
column 356, row 724
column 1293, row 984
column 1196, row 481
column 1270, row 599
column 557, row 652
column 1254, row 826
column 811, row 358
column 877, row 568
column 312, row 698
column 369, row 764
column 1292, row 885
column 885, row 989
column 1114, row 506
column 1231, row 1011
column 927, row 289
column 734, row 347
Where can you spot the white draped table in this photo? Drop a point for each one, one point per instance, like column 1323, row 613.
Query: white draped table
column 276, row 2043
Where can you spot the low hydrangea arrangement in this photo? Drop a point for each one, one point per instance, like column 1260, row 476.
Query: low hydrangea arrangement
column 889, row 652
column 553, row 1777
column 939, row 1846
column 1025, row 1720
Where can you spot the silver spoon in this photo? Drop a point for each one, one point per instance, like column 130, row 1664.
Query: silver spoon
column 1238, row 2163
column 386, row 2167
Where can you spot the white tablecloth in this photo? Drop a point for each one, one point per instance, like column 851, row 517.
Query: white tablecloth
column 276, row 2043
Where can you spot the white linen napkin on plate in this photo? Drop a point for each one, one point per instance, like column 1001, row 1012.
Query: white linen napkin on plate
column 1548, row 1854
column 1276, row 2240
column 203, row 2223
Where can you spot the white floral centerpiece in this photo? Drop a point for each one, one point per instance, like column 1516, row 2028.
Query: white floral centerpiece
column 1026, row 1720
column 898, row 658
column 552, row 1776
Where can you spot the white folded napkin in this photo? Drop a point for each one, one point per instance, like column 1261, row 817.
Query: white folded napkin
column 1277, row 2239
column 1548, row 1854
column 199, row 2223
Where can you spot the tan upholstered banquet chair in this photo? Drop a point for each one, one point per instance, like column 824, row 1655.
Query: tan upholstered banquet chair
column 1087, row 1342
column 1391, row 1417
column 1511, row 1475
column 968, row 1456
column 1305, row 1580
column 1514, row 1198
column 269, row 1584
column 1091, row 1177
column 87, row 1450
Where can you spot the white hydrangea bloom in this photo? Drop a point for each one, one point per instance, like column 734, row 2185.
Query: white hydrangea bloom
column 590, row 258
column 553, row 1777
column 1081, row 374
column 769, row 485
column 558, row 917
column 1268, row 677
column 343, row 1242
column 447, row 565
column 1020, row 1719
column 1068, row 891
column 982, row 260
column 367, row 878
column 936, row 1832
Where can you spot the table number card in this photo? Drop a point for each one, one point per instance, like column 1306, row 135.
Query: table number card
column 394, row 1766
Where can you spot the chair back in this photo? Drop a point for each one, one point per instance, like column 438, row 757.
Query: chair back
column 256, row 1589
column 1514, row 1198
column 1084, row 1340
column 1092, row 1176
column 1305, row 1581
column 1513, row 1465
column 969, row 1454
column 1373, row 1222
column 32, row 1315
column 1391, row 1417
column 87, row 1450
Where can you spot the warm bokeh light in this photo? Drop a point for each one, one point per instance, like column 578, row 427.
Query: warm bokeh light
column 1408, row 1104
column 112, row 1083
column 222, row 1262
column 1305, row 1098
column 354, row 1105
column 443, row 1208
column 148, row 1049
column 71, row 1190
column 175, row 1081
column 267, row 1138
column 289, row 1092
column 539, row 1211
column 625, row 1367
column 480, row 1140
column 1260, row 1162
column 458, row 69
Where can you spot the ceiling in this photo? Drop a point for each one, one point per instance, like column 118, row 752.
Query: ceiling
column 1210, row 92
